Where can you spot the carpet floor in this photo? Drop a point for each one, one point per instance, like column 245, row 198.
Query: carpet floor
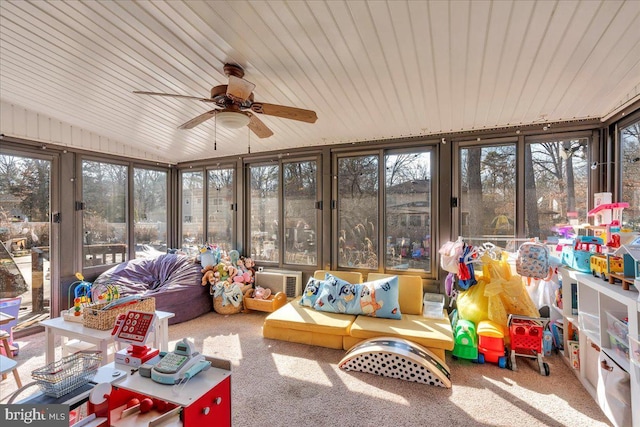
column 276, row 383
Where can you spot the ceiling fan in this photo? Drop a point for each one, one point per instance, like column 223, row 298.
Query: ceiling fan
column 237, row 107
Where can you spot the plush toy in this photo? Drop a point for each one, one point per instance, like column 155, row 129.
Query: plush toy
column 209, row 256
column 208, row 276
column 261, row 293
column 243, row 276
column 234, row 256
column 250, row 267
column 221, row 272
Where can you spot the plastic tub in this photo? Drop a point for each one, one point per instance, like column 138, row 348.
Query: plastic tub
column 634, row 349
column 616, row 325
column 589, row 324
column 433, row 304
column 621, row 347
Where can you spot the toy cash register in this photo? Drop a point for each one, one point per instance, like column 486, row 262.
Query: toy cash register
column 180, row 365
column 133, row 328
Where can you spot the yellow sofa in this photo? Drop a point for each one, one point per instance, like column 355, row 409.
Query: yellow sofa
column 305, row 325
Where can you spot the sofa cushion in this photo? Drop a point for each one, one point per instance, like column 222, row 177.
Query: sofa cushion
column 430, row 333
column 377, row 298
column 297, row 317
column 410, row 292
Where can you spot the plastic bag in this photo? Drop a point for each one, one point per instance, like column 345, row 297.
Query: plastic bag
column 543, row 292
column 505, row 292
column 473, row 304
column 450, row 254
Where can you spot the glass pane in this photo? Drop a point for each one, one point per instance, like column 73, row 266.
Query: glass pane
column 300, row 214
column 630, row 148
column 358, row 212
column 264, row 213
column 220, row 224
column 104, row 218
column 149, row 212
column 556, row 185
column 488, row 194
column 24, row 236
column 408, row 211
column 192, row 212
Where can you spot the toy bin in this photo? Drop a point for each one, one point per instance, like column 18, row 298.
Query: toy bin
column 433, row 305
column 616, row 326
column 589, row 324
column 620, row 346
column 634, row 350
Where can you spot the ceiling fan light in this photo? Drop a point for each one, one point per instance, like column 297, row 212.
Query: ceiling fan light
column 232, row 120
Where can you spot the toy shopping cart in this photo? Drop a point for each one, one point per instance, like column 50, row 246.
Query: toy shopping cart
column 526, row 335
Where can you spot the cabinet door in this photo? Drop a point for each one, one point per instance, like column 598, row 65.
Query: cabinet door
column 213, row 409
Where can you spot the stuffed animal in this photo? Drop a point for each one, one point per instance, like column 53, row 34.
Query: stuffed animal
column 234, row 256
column 250, row 267
column 208, row 276
column 243, row 275
column 261, row 293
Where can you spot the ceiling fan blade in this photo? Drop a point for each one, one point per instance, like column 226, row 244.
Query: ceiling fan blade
column 197, row 120
column 293, row 113
column 258, row 127
column 239, row 89
column 171, row 95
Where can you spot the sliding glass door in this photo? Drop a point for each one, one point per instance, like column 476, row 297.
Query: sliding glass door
column 26, row 270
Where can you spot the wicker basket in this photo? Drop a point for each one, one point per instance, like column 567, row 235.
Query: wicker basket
column 95, row 317
column 225, row 309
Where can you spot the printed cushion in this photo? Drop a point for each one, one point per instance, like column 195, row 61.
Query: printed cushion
column 311, row 291
column 378, row 298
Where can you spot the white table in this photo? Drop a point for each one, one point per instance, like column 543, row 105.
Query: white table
column 102, row 339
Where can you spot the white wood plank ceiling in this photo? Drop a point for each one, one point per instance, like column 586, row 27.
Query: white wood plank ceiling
column 370, row 69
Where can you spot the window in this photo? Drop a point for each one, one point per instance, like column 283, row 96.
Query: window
column 104, row 214
column 630, row 172
column 488, row 193
column 300, row 213
column 149, row 212
column 220, row 185
column 556, row 185
column 264, row 212
column 358, row 222
column 192, row 211
column 408, row 210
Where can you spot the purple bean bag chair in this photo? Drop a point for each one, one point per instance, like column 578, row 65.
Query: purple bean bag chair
column 173, row 280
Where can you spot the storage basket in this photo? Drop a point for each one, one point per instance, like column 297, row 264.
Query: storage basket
column 65, row 375
column 225, row 309
column 95, row 317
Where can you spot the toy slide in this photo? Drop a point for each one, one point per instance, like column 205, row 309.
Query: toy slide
column 397, row 358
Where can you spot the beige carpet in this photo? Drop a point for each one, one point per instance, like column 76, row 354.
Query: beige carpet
column 275, row 383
